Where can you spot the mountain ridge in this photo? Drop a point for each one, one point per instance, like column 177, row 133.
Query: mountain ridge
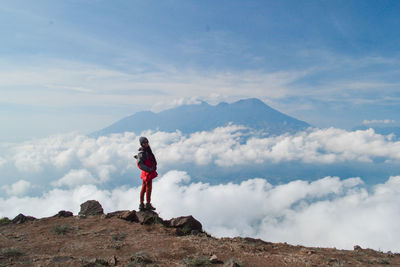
column 252, row 113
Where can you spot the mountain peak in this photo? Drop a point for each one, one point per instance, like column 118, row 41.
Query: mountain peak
column 252, row 113
column 250, row 101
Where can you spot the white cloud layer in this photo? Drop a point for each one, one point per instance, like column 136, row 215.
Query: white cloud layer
column 225, row 147
column 328, row 212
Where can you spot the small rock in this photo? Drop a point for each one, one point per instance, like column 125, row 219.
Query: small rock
column 113, row 261
column 357, row 247
column 232, row 263
column 214, row 260
column 21, row 218
column 92, row 260
column 60, row 259
column 91, row 207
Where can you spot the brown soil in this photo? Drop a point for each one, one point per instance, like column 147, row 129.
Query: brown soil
column 100, row 241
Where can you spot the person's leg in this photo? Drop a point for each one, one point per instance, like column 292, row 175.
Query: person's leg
column 148, row 191
column 142, row 192
column 149, row 187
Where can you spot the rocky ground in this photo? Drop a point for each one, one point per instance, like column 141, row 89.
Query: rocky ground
column 129, row 238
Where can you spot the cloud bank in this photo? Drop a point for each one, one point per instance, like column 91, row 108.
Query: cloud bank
column 71, row 158
column 329, row 212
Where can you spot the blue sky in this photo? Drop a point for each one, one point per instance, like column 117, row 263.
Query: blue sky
column 68, row 68
column 81, row 65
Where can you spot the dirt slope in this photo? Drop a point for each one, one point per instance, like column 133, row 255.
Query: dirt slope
column 102, row 241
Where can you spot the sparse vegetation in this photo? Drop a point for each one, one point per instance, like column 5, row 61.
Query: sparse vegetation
column 157, row 220
column 186, row 230
column 119, row 236
column 62, row 229
column 11, row 253
column 338, row 263
column 96, row 263
column 4, row 221
column 197, row 261
column 205, row 233
column 140, row 258
column 382, row 261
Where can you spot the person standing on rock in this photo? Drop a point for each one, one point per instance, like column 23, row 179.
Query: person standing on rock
column 146, row 162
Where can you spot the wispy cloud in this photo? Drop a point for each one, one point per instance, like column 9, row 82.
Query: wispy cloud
column 387, row 121
column 62, row 83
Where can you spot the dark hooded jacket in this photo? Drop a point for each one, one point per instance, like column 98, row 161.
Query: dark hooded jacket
column 147, row 163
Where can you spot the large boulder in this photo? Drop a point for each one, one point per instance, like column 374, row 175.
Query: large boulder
column 91, row 207
column 21, row 218
column 186, row 223
column 148, row 217
column 63, row 214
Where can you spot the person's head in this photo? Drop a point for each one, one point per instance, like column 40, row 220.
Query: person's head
column 144, row 142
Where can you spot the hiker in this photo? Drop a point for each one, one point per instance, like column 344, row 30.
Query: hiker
column 148, row 164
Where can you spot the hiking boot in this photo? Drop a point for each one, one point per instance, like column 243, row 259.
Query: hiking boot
column 141, row 207
column 149, row 206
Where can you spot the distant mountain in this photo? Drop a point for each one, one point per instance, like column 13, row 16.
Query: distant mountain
column 252, row 113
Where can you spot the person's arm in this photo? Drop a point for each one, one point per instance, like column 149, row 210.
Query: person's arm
column 142, row 166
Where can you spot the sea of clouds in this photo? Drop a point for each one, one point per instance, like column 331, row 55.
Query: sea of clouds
column 44, row 176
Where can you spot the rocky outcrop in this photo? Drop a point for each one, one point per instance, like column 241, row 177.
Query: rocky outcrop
column 187, row 224
column 184, row 225
column 126, row 215
column 149, row 217
column 115, row 214
column 142, row 217
column 64, row 214
column 21, row 218
column 91, row 207
column 129, row 216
